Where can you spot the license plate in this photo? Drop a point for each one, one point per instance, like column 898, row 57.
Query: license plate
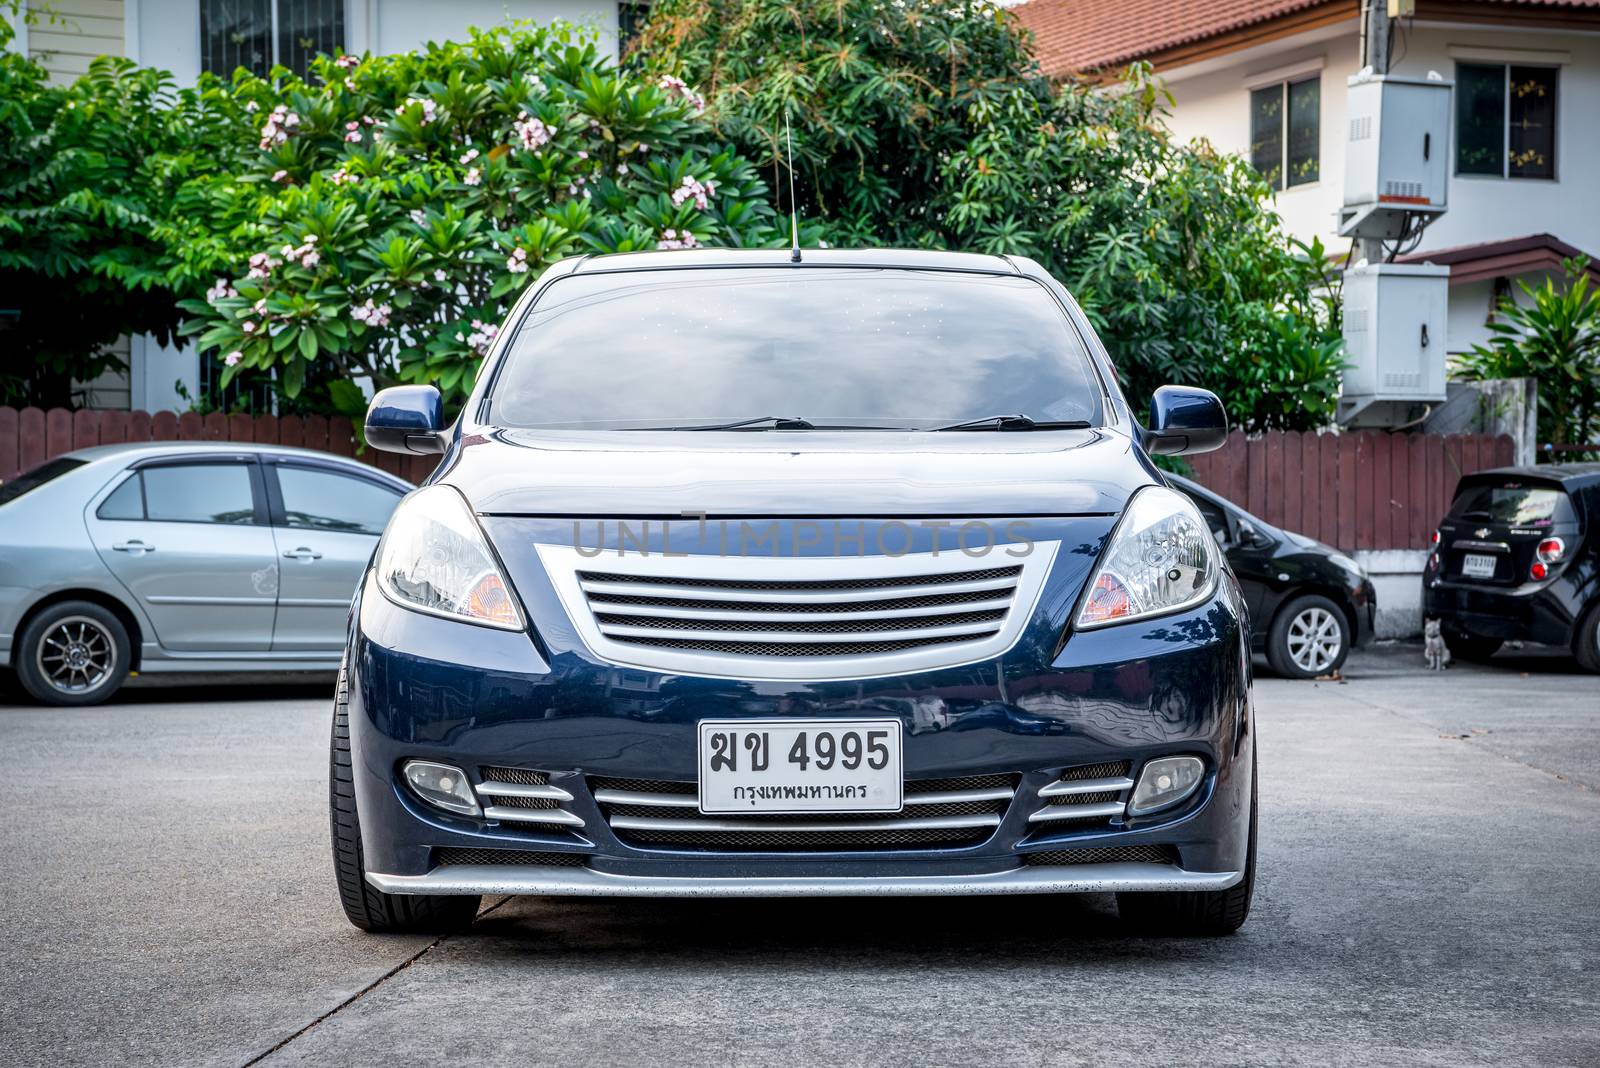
column 1477, row 565
column 794, row 766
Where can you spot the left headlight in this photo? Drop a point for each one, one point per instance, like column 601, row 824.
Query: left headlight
column 435, row 559
column 1161, row 559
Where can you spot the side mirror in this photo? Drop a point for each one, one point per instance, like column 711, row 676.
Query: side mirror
column 1184, row 419
column 407, row 419
column 1249, row 535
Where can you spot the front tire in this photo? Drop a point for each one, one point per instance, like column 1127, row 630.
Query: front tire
column 1197, row 913
column 366, row 906
column 73, row 653
column 1309, row 637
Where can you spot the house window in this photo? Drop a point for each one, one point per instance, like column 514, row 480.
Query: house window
column 258, row 34
column 1505, row 120
column 1286, row 131
column 630, row 22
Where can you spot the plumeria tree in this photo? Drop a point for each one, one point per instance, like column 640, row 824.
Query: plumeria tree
column 391, row 208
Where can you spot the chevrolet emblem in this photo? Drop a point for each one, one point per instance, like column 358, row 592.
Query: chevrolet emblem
column 1481, row 532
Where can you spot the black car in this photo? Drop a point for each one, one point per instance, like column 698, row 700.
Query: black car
column 1309, row 603
column 1517, row 558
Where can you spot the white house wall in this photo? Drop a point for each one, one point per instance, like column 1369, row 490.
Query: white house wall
column 168, row 31
column 1212, row 100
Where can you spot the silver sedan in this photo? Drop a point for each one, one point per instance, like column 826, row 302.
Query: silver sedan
column 182, row 557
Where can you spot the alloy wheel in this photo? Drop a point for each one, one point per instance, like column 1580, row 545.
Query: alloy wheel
column 1315, row 640
column 76, row 656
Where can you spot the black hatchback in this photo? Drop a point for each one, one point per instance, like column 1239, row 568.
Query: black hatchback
column 1309, row 603
column 1517, row 558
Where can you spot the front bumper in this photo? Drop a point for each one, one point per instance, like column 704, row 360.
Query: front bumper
column 583, row 882
column 428, row 688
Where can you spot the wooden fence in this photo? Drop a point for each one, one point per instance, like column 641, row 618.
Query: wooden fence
column 1367, row 490
column 30, row 436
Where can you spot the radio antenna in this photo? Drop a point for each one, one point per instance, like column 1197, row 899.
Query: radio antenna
column 794, row 217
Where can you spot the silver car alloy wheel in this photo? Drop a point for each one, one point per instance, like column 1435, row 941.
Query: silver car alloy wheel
column 1315, row 640
column 76, row 655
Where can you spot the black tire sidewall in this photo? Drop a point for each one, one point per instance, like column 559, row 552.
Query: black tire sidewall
column 1586, row 639
column 1278, row 636
column 26, row 649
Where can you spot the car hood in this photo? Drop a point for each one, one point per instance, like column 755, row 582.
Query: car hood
column 796, row 473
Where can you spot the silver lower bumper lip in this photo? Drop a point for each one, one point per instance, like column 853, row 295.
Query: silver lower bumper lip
column 581, row 882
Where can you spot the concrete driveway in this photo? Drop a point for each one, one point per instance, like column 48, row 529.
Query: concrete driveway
column 1430, row 882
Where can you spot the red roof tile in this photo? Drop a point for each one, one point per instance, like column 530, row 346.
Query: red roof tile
column 1084, row 35
column 1072, row 36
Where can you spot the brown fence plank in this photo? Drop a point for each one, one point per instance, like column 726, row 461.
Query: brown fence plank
column 191, row 427
column 265, row 429
column 341, row 436
column 1400, row 492
column 1505, row 451
column 1272, row 453
column 10, row 444
column 1381, row 503
column 216, row 427
column 114, row 427
column 291, row 431
column 1311, row 484
column 1237, row 488
column 57, row 432
column 85, row 428
column 316, row 432
column 32, row 449
column 241, row 427
column 166, row 426
column 1256, row 475
column 139, row 426
column 1292, row 482
column 1421, row 520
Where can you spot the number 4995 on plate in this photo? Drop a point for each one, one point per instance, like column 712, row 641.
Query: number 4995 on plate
column 800, row 765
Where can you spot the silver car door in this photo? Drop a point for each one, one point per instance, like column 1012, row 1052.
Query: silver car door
column 189, row 539
column 326, row 520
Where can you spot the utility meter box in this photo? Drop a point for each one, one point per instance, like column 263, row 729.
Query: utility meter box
column 1397, row 158
column 1394, row 335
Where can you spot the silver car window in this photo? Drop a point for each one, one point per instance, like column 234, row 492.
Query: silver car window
column 202, row 493
column 325, row 500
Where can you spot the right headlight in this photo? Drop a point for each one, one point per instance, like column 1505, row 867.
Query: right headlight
column 1161, row 559
column 434, row 559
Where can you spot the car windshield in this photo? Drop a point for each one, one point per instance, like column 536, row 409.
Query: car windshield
column 859, row 348
column 32, row 480
column 1515, row 504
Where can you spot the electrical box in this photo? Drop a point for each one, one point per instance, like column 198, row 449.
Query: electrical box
column 1394, row 335
column 1397, row 157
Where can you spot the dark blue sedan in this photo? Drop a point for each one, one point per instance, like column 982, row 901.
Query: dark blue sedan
column 751, row 576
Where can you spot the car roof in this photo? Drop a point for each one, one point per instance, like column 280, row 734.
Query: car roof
column 923, row 259
column 1571, row 476
column 132, row 450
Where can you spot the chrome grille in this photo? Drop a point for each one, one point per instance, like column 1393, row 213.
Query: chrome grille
column 938, row 813
column 798, row 618
column 1088, row 795
column 525, row 800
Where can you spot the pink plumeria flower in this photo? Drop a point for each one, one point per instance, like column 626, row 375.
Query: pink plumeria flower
column 232, row 359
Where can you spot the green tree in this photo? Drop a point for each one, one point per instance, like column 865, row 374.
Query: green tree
column 85, row 171
column 927, row 124
column 1555, row 340
column 386, row 215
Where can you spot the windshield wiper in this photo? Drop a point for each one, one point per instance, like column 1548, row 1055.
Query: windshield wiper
column 1015, row 422
column 774, row 422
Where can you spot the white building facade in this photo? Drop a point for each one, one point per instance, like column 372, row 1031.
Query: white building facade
column 1268, row 81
